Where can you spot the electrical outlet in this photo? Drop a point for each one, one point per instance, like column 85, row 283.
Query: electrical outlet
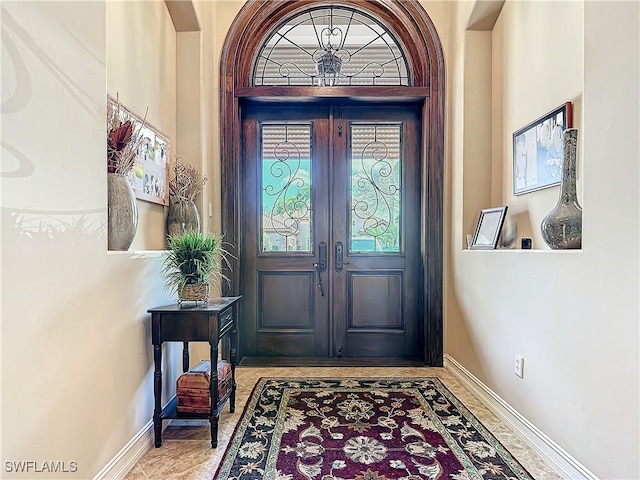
column 518, row 366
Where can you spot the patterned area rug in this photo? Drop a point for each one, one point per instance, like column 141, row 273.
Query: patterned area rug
column 362, row 429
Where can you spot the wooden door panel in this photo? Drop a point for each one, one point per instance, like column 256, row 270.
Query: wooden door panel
column 378, row 344
column 376, row 194
column 280, row 344
column 286, row 300
column 284, row 156
column 375, row 301
column 371, row 307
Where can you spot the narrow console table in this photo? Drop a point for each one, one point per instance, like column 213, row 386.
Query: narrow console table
column 186, row 323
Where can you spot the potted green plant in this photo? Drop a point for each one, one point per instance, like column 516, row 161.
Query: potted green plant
column 194, row 261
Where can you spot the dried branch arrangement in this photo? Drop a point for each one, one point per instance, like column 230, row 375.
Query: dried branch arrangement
column 186, row 183
column 123, row 138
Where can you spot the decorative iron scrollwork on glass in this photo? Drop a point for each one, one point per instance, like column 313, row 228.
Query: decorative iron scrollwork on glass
column 375, row 188
column 330, row 46
column 286, row 188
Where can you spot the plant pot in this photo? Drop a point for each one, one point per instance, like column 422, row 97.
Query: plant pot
column 122, row 212
column 194, row 292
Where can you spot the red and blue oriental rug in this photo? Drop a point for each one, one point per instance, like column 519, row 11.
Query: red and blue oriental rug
column 362, row 429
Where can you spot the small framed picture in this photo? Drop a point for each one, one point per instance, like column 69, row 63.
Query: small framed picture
column 538, row 151
column 489, row 228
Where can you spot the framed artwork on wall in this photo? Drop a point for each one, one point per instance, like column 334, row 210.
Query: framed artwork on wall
column 488, row 229
column 150, row 174
column 538, row 151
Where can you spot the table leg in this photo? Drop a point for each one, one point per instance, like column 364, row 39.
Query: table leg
column 185, row 357
column 213, row 392
column 157, row 393
column 233, row 359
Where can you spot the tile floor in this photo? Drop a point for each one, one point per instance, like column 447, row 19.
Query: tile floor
column 186, row 451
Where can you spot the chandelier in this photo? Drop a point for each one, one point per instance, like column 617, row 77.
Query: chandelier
column 328, row 69
column 329, row 63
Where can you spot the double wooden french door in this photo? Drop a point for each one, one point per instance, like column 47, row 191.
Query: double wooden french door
column 330, row 247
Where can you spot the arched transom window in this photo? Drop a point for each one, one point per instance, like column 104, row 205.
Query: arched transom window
column 331, row 46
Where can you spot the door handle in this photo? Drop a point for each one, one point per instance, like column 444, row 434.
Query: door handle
column 321, row 265
column 340, row 263
column 322, row 254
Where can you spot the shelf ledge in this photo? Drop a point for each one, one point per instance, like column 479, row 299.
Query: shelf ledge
column 530, row 250
column 139, row 253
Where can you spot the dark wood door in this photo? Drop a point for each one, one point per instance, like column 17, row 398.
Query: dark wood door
column 330, row 248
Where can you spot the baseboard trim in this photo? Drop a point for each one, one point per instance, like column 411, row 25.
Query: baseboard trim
column 561, row 460
column 126, row 458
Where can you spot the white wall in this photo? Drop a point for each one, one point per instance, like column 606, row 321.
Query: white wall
column 76, row 355
column 573, row 315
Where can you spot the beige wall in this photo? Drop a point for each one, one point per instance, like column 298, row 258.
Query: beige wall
column 77, row 362
column 573, row 315
column 141, row 69
column 76, row 356
column 215, row 19
column 75, row 333
column 535, row 74
column 219, row 16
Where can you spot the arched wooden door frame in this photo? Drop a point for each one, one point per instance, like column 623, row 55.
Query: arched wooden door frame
column 417, row 36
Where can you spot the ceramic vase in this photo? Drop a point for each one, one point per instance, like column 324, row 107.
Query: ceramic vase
column 562, row 227
column 183, row 215
column 122, row 215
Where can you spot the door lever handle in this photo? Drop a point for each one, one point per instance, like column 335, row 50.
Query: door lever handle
column 316, row 267
column 321, row 265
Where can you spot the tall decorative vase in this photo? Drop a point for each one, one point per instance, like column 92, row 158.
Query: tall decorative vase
column 122, row 216
column 562, row 227
column 183, row 215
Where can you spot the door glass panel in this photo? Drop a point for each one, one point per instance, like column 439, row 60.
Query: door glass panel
column 375, row 188
column 286, row 221
column 330, row 46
